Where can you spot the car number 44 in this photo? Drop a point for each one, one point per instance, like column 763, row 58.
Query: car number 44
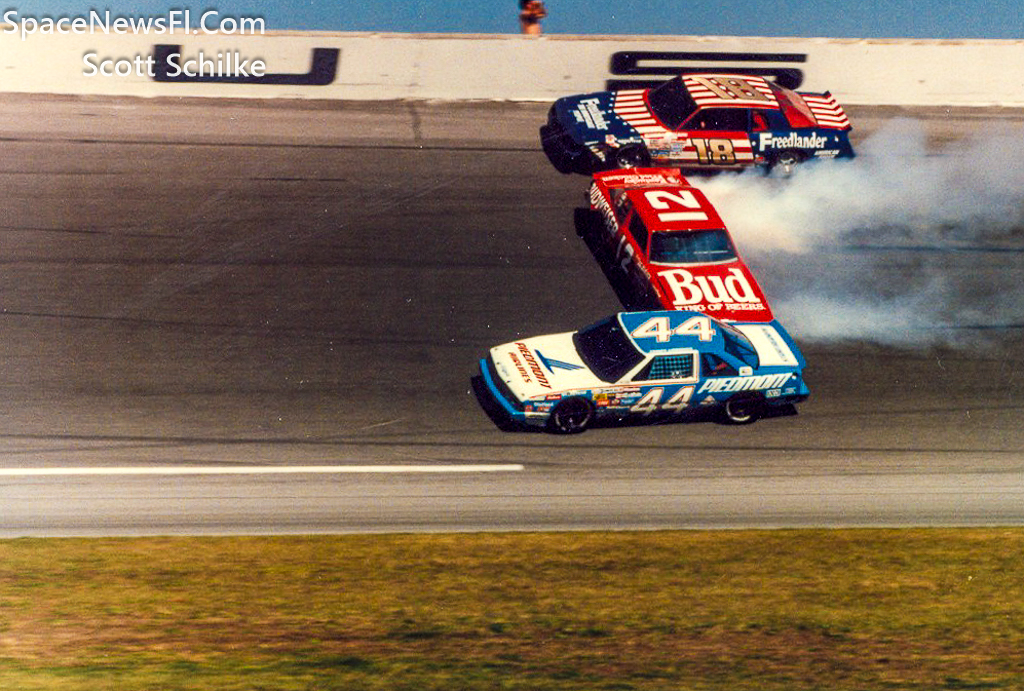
column 650, row 402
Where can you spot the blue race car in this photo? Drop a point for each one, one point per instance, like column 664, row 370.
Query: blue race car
column 640, row 365
column 696, row 122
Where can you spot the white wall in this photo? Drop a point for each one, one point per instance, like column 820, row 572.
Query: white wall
column 513, row 67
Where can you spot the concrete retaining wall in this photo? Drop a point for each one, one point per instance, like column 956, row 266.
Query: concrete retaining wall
column 511, row 67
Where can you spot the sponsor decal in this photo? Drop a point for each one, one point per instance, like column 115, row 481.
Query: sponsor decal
column 700, row 292
column 791, row 141
column 534, row 366
column 553, row 364
column 665, row 65
column 710, row 400
column 756, row 383
column 601, row 205
column 169, row 68
column 642, row 179
column 589, row 112
column 519, row 366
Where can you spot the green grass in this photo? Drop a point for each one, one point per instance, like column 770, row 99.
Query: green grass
column 862, row 609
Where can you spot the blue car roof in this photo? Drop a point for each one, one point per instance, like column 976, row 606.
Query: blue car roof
column 631, row 321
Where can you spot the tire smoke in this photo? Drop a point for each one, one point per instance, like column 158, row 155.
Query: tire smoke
column 898, row 246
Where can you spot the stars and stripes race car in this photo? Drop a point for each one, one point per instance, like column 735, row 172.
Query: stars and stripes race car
column 642, row 365
column 695, row 121
column 662, row 245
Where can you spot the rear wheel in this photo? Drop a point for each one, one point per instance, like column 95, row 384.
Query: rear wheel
column 571, row 416
column 742, row 410
column 785, row 162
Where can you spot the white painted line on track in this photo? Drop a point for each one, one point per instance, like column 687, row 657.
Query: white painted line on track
column 258, row 470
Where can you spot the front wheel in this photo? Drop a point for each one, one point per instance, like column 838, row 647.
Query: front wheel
column 571, row 416
column 632, row 156
column 742, row 410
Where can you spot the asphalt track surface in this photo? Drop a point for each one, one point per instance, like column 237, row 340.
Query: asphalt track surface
column 306, row 289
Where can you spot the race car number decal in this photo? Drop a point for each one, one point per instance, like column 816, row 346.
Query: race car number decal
column 651, row 401
column 712, row 151
column 663, row 200
column 731, row 88
column 661, row 329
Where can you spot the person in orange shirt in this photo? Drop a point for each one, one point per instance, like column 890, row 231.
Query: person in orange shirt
column 530, row 14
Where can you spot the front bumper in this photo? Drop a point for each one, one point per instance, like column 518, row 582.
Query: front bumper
column 565, row 153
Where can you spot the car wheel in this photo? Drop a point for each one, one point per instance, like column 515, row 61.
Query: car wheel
column 785, row 162
column 742, row 410
column 585, row 220
column 632, row 157
column 571, row 416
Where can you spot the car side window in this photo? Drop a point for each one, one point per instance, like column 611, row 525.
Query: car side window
column 774, row 119
column 621, row 202
column 667, row 367
column 714, row 366
column 719, row 119
column 639, row 232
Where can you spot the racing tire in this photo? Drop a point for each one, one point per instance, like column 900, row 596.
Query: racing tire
column 632, row 156
column 585, row 220
column 571, row 416
column 785, row 162
column 742, row 410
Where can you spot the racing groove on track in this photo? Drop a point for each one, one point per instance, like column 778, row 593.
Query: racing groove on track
column 311, row 302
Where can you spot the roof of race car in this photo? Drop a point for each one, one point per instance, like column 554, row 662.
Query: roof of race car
column 730, row 90
column 666, row 335
column 674, row 208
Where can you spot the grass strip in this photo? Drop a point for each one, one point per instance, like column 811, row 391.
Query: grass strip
column 819, row 609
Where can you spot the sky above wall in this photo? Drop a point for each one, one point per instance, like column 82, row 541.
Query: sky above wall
column 805, row 18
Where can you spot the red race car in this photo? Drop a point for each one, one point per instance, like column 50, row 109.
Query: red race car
column 662, row 245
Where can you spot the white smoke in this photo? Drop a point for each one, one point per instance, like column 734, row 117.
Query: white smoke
column 898, row 246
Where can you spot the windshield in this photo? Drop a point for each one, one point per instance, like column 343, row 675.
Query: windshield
column 738, row 345
column 606, row 349
column 689, row 247
column 671, row 103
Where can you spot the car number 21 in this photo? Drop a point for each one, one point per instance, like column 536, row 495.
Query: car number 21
column 650, row 402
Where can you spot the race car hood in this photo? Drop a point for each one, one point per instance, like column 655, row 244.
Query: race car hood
column 774, row 346
column 725, row 291
column 542, row 365
column 591, row 118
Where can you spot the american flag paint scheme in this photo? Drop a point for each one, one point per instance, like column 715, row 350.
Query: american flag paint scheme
column 662, row 245
column 696, row 122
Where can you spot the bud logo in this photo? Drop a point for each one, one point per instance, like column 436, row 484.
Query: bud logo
column 688, row 290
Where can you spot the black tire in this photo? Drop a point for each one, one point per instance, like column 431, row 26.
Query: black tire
column 571, row 416
column 632, row 156
column 585, row 220
column 785, row 162
column 742, row 410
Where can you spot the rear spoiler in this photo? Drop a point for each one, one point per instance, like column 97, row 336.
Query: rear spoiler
column 827, row 111
column 641, row 177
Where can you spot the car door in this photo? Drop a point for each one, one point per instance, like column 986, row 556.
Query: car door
column 666, row 383
column 716, row 138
